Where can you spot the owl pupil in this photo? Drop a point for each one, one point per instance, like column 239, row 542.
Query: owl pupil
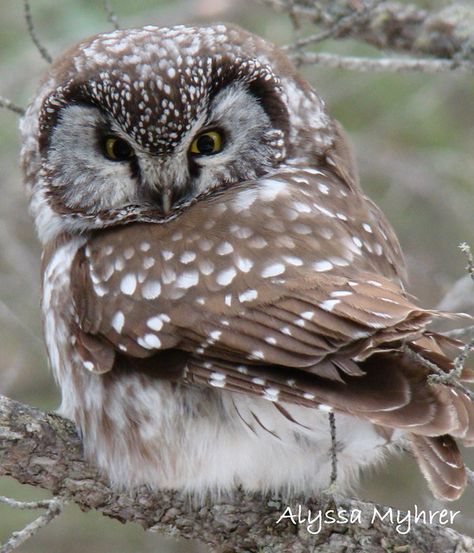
column 121, row 149
column 206, row 144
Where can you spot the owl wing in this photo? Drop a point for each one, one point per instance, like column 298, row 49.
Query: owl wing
column 269, row 292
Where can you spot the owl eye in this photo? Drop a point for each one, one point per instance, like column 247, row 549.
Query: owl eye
column 207, row 143
column 117, row 149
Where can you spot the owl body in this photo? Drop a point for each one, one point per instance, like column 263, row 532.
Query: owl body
column 215, row 283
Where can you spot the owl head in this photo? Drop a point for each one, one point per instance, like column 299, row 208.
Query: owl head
column 136, row 124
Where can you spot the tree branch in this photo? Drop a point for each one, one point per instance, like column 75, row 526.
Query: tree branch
column 43, row 449
column 446, row 36
column 354, row 63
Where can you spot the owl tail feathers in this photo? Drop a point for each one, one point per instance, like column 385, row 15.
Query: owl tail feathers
column 441, row 463
column 455, row 407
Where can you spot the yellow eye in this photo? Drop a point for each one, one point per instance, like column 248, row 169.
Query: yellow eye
column 117, row 149
column 207, row 143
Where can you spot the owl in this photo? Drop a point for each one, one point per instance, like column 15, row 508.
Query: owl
column 217, row 288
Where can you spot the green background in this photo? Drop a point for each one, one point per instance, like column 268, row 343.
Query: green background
column 414, row 141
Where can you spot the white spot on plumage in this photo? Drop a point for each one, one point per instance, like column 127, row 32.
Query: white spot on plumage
column 312, row 171
column 89, row 365
column 329, row 305
column 300, row 180
column 325, row 232
column 381, row 314
column 100, row 290
column 340, row 293
column 152, row 341
column 248, row 295
column 257, row 242
column 108, row 271
column 244, row 264
column 224, row 248
column 323, row 188
column 155, row 323
column 151, row 289
column 293, row 260
column 308, row 315
column 308, row 395
column 339, row 261
column 378, row 249
column 215, row 334
column 269, row 189
column 226, row 276
column 206, row 267
column 357, row 241
column 167, row 254
column 322, row 266
column 273, row 269
column 244, row 200
column 367, row 227
column 324, row 211
column 258, row 381
column 145, row 246
column 302, row 207
column 187, row 257
column 128, row 284
column 270, row 340
column 148, row 262
column 217, row 380
column 325, row 408
column 271, row 394
column 119, row 264
column 301, row 228
column 168, row 276
column 128, row 253
column 187, row 279
column 205, row 245
column 241, row 232
column 118, row 321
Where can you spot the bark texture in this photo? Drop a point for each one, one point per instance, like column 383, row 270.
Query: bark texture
column 44, row 450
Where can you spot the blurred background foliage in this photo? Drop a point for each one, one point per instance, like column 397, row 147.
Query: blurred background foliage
column 414, row 141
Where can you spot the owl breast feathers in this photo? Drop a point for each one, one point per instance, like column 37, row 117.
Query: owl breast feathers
column 215, row 283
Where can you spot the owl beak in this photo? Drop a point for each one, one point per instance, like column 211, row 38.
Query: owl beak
column 166, row 202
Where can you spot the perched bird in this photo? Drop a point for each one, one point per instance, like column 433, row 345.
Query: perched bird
column 216, row 286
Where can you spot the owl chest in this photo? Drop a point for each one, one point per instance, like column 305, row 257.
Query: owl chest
column 58, row 309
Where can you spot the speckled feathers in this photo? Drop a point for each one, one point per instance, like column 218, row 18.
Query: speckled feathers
column 204, row 314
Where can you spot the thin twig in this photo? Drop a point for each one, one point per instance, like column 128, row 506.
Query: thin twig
column 470, row 477
column 340, row 27
column 440, row 376
column 26, row 505
column 56, row 507
column 466, row 249
column 396, row 65
column 459, row 332
column 34, row 37
column 332, row 426
column 7, row 104
column 111, row 16
column 461, row 359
